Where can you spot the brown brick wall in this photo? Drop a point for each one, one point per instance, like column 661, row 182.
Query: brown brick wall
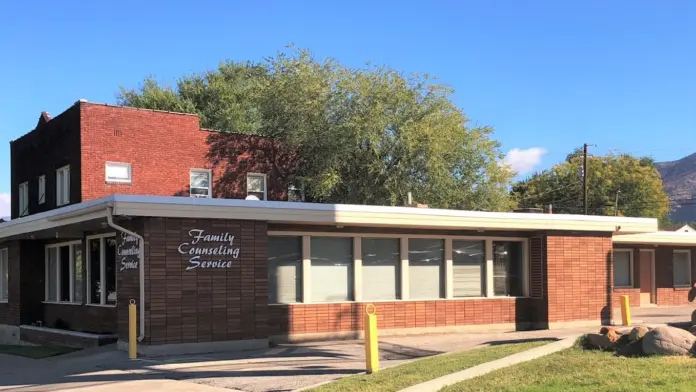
column 81, row 318
column 579, row 276
column 347, row 317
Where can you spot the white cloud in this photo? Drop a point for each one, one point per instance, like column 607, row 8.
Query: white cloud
column 523, row 161
column 4, row 205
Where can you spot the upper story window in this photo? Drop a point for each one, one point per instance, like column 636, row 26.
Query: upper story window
column 118, row 172
column 23, row 199
column 256, row 185
column 200, row 183
column 42, row 190
column 63, row 186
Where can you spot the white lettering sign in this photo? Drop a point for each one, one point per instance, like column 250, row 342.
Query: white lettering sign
column 209, row 250
column 129, row 252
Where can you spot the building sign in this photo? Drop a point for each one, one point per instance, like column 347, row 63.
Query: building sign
column 128, row 252
column 209, row 250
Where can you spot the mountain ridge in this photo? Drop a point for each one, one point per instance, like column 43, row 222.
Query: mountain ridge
column 679, row 181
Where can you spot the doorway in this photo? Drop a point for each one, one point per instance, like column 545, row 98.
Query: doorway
column 646, row 269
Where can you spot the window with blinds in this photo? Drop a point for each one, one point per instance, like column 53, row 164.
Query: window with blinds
column 425, row 263
column 331, row 269
column 681, row 271
column 284, row 270
column 381, row 258
column 507, row 268
column 468, row 266
column 622, row 268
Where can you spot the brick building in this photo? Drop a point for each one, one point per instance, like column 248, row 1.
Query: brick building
column 218, row 272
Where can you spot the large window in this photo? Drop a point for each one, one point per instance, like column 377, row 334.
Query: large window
column 468, row 266
column 681, row 262
column 623, row 268
column 64, row 272
column 63, row 186
column 23, row 199
column 284, row 270
column 381, row 258
column 200, row 183
column 331, row 269
column 425, row 263
column 101, row 269
column 256, row 185
column 507, row 268
column 4, row 274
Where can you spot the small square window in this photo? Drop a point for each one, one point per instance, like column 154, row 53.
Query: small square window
column 200, row 183
column 256, row 185
column 118, row 172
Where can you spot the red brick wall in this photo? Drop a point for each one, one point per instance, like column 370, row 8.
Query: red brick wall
column 633, row 297
column 162, row 148
column 667, row 294
column 579, row 277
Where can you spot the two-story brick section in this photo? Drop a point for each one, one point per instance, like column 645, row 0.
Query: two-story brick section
column 102, row 216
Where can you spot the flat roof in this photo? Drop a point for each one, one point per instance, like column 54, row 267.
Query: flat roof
column 318, row 214
column 658, row 238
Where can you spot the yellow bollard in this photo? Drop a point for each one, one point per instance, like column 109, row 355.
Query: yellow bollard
column 132, row 331
column 371, row 348
column 625, row 310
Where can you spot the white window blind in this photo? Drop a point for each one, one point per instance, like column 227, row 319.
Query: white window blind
column 425, row 263
column 681, row 262
column 284, row 270
column 468, row 265
column 200, row 183
column 622, row 269
column 4, row 274
column 381, row 258
column 507, row 268
column 63, row 186
column 256, row 185
column 23, row 199
column 42, row 190
column 331, row 269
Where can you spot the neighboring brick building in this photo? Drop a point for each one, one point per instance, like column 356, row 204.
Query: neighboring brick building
column 94, row 150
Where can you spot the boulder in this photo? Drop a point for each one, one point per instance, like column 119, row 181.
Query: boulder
column 693, row 329
column 693, row 318
column 606, row 330
column 668, row 341
column 598, row 341
column 613, row 336
column 637, row 333
column 632, row 349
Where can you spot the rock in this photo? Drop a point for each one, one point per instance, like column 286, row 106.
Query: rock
column 637, row 333
column 613, row 336
column 693, row 318
column 598, row 341
column 668, row 341
column 693, row 329
column 692, row 297
column 605, row 330
column 632, row 349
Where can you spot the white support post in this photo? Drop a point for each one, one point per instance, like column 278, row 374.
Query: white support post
column 489, row 269
column 404, row 268
column 306, row 269
column 449, row 270
column 357, row 269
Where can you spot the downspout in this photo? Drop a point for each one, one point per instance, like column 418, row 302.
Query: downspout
column 141, row 267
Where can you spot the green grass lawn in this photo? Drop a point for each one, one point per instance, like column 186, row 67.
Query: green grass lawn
column 578, row 370
column 402, row 376
column 35, row 352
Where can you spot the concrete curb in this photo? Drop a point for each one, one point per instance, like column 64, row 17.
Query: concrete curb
column 479, row 370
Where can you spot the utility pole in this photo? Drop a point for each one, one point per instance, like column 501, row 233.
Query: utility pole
column 616, row 204
column 584, row 178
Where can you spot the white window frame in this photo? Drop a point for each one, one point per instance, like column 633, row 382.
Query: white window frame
column 42, row 189
column 209, row 172
column 265, row 184
column 403, row 268
column 63, row 198
column 631, row 269
column 4, row 263
column 23, row 199
column 71, row 260
column 688, row 253
column 125, row 165
column 102, row 269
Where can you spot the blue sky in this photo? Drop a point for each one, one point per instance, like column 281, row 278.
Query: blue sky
column 547, row 75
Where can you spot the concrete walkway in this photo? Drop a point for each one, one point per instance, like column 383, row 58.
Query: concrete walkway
column 534, row 353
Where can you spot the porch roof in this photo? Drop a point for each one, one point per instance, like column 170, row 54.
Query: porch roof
column 317, row 214
column 658, row 238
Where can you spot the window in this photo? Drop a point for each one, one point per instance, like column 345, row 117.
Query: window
column 507, row 268
column 681, row 262
column 4, row 274
column 200, row 180
column 23, row 199
column 117, row 172
column 623, row 268
column 64, row 272
column 101, row 269
column 284, row 270
column 468, row 266
column 425, row 260
column 42, row 190
column 381, row 258
column 331, row 269
column 63, row 186
column 256, row 185
column 296, row 190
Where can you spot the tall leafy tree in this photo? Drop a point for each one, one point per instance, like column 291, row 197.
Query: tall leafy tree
column 636, row 181
column 365, row 136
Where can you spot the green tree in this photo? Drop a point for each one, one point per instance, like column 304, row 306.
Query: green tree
column 636, row 180
column 364, row 136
